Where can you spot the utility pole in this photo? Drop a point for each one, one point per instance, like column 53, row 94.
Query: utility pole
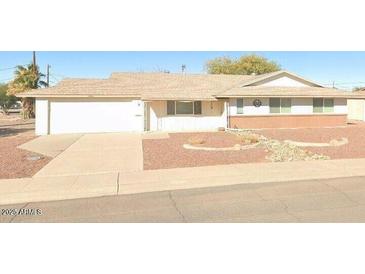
column 34, row 60
column 48, row 66
column 333, row 84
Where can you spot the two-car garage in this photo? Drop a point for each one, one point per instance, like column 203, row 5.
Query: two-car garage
column 88, row 115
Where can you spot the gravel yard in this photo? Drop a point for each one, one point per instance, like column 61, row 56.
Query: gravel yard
column 162, row 153
column 169, row 152
column 15, row 162
column 355, row 133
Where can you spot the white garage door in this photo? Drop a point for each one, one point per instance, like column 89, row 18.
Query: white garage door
column 90, row 115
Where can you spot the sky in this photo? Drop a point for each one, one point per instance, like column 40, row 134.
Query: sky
column 345, row 69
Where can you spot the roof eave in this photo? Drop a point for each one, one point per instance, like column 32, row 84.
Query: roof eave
column 288, row 96
column 270, row 75
column 78, row 96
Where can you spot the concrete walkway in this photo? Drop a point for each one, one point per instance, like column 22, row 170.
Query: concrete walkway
column 47, row 188
column 13, row 191
column 96, row 154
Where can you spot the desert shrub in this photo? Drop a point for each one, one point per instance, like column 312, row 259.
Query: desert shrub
column 196, row 140
column 249, row 138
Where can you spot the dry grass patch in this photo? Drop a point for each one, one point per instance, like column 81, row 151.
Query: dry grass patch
column 196, row 140
column 248, row 138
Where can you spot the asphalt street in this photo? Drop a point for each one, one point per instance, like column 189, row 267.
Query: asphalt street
column 330, row 200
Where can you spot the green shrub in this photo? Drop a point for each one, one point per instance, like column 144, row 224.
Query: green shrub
column 6, row 101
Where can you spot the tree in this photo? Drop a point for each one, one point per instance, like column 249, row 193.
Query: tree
column 246, row 65
column 358, row 88
column 26, row 78
column 6, row 101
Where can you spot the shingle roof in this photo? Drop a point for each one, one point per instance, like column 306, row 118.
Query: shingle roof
column 360, row 91
column 148, row 86
column 267, row 91
column 165, row 86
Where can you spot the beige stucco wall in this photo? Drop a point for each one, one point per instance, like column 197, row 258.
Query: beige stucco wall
column 213, row 116
column 356, row 109
column 285, row 82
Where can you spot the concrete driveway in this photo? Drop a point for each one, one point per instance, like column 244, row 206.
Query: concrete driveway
column 96, row 154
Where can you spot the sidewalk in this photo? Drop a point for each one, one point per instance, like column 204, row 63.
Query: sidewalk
column 51, row 188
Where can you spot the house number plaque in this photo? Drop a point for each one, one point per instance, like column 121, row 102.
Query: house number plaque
column 257, row 103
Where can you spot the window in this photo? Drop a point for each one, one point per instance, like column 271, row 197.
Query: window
column 280, row 105
column 274, row 105
column 285, row 105
column 240, row 106
column 328, row 105
column 317, row 105
column 323, row 105
column 184, row 107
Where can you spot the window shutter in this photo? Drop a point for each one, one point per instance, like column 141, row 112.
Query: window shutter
column 240, row 106
column 170, row 107
column 198, row 107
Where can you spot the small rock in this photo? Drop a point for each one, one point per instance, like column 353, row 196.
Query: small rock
column 280, row 151
column 34, row 157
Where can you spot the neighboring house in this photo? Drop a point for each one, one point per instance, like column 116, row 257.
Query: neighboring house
column 186, row 102
column 356, row 107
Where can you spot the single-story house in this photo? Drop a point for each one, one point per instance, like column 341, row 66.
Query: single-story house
column 186, row 102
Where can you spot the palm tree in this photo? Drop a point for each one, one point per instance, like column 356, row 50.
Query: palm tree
column 26, row 78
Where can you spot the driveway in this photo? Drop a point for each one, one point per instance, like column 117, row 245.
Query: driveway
column 96, row 154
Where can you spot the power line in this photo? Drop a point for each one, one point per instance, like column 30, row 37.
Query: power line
column 54, row 77
column 59, row 75
column 3, row 69
column 343, row 83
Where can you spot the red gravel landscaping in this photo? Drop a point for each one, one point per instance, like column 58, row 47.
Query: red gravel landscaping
column 169, row 153
column 14, row 162
column 355, row 133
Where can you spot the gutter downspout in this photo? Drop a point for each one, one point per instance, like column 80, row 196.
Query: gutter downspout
column 228, row 114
